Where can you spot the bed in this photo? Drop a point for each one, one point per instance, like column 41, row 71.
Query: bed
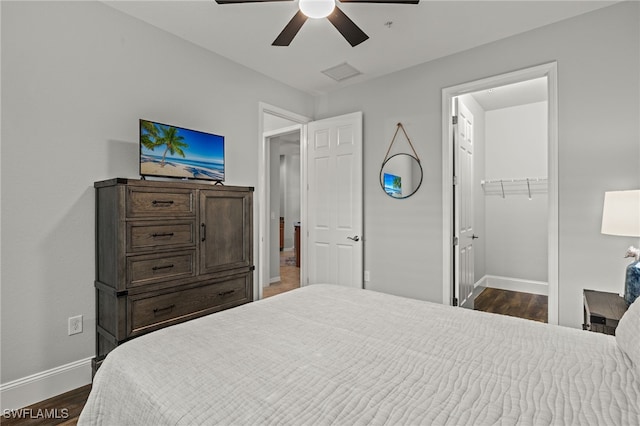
column 326, row 354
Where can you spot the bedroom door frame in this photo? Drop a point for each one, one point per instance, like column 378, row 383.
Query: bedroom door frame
column 264, row 189
column 550, row 71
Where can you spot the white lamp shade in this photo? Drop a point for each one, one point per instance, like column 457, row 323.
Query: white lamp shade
column 317, row 8
column 621, row 213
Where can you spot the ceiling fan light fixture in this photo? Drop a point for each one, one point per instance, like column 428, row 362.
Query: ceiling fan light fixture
column 317, row 9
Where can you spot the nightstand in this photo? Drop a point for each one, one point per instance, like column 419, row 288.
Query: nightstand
column 602, row 311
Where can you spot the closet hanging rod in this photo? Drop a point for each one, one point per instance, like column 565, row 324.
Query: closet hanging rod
column 521, row 180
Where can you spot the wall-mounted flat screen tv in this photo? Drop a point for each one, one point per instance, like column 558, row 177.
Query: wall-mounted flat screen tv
column 393, row 185
column 171, row 151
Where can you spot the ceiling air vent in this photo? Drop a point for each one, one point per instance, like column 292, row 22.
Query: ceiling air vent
column 341, row 72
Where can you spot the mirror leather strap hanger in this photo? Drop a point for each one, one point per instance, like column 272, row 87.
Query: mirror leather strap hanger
column 398, row 127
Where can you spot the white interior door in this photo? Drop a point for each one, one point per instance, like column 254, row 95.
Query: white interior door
column 463, row 211
column 334, row 226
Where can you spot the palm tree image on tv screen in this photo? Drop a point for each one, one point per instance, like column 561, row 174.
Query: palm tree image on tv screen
column 171, row 151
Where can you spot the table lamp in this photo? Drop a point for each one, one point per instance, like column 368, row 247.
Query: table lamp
column 621, row 216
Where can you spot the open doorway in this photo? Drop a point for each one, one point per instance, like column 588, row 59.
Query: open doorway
column 275, row 122
column 285, row 211
column 500, row 219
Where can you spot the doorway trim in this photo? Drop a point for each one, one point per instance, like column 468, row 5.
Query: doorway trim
column 550, row 71
column 264, row 187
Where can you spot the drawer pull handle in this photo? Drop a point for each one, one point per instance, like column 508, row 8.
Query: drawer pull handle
column 161, row 202
column 226, row 293
column 155, row 268
column 166, row 234
column 156, row 311
column 204, row 231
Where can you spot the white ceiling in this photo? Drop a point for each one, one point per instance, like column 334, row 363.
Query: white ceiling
column 522, row 93
column 418, row 33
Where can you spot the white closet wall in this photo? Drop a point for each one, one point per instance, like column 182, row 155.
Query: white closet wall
column 516, row 226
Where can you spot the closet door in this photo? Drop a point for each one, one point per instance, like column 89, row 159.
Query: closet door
column 464, row 226
column 225, row 230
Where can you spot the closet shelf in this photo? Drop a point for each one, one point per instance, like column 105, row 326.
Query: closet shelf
column 504, row 187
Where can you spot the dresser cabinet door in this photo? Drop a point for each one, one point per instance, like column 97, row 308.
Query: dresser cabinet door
column 226, row 220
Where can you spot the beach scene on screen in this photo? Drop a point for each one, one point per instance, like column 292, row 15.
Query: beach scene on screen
column 176, row 152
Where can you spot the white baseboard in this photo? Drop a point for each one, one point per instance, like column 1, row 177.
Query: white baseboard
column 274, row 280
column 482, row 282
column 28, row 390
column 514, row 284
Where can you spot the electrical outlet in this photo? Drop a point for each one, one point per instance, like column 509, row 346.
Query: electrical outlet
column 367, row 277
column 75, row 325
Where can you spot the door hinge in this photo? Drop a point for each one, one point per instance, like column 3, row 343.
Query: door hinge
column 455, row 301
column 455, row 180
column 455, row 241
column 454, row 120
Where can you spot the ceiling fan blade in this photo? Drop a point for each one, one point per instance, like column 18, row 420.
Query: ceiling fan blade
column 382, row 1
column 245, row 1
column 347, row 27
column 290, row 30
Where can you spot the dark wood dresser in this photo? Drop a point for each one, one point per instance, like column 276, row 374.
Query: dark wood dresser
column 167, row 252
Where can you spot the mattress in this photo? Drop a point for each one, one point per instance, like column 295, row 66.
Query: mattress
column 326, row 355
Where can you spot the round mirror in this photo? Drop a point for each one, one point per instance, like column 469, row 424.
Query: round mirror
column 401, row 175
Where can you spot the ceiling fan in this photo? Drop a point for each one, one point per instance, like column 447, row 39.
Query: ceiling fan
column 321, row 9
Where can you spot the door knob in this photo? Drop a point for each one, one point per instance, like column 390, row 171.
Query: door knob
column 355, row 238
column 474, row 237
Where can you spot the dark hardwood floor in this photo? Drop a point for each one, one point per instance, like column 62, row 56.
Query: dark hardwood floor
column 62, row 410
column 513, row 303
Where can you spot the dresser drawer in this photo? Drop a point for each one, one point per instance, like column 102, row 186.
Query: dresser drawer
column 143, row 236
column 147, row 312
column 154, row 268
column 148, row 202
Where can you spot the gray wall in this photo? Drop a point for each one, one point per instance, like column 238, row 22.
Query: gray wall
column 76, row 76
column 598, row 73
column 290, row 192
column 275, row 210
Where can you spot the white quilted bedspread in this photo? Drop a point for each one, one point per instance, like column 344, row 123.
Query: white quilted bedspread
column 334, row 355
